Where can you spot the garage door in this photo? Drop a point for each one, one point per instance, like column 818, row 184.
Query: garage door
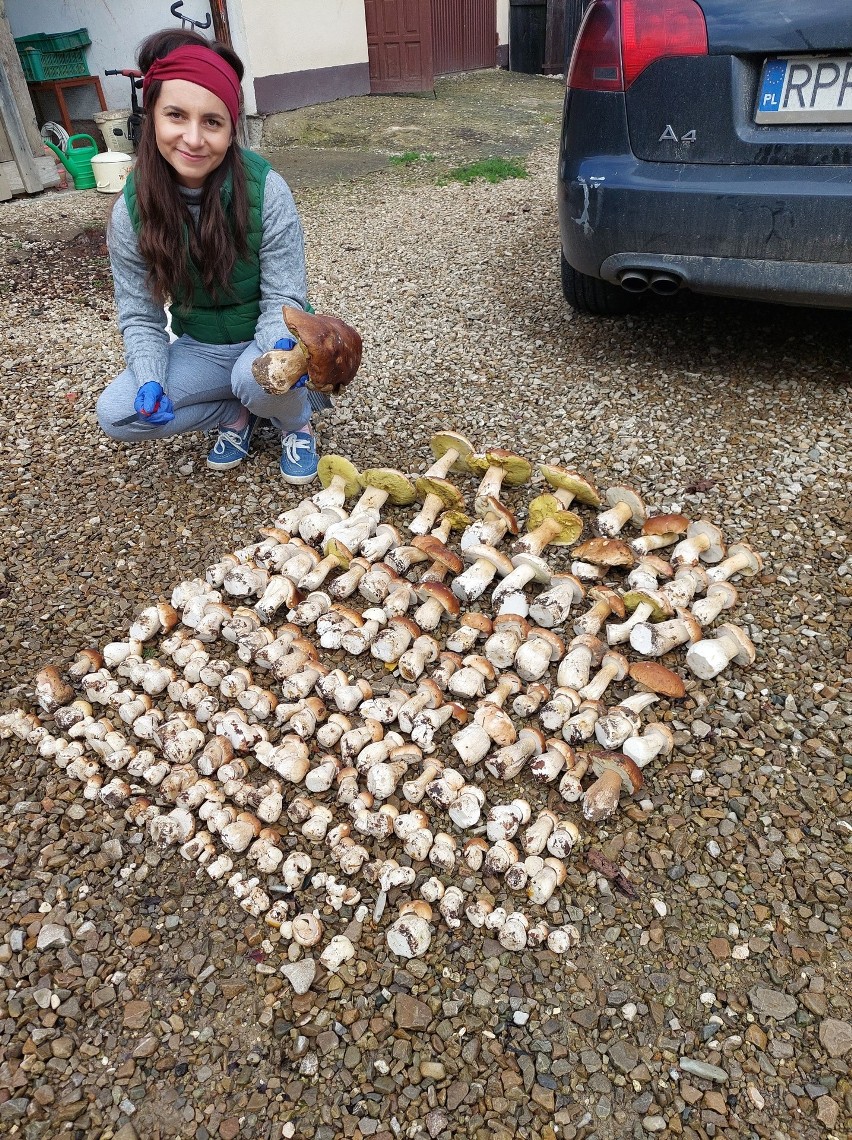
column 464, row 34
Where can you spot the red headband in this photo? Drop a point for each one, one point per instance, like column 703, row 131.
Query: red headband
column 201, row 65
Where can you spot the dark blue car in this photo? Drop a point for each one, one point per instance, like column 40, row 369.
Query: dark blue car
column 707, row 145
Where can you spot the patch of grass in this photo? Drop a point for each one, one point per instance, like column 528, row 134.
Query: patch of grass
column 491, row 169
column 410, row 157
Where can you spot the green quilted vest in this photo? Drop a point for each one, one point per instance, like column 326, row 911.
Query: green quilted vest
column 234, row 317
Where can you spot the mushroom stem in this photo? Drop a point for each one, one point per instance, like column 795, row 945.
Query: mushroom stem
column 654, row 640
column 534, row 541
column 741, row 559
column 612, row 521
column 601, row 798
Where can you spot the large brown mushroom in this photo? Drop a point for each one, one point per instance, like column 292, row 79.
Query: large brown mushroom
column 327, row 349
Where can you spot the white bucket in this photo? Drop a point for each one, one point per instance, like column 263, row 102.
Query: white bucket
column 113, row 126
column 110, row 170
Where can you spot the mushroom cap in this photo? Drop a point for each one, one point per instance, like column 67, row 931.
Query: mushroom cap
column 456, row 520
column 595, row 646
column 715, row 552
column 538, row 565
column 490, row 507
column 435, row 550
column 444, row 441
column 516, row 469
column 568, row 581
column 331, row 465
column 608, row 595
column 660, row 605
column 480, row 622
column 618, row 661
column 333, row 548
column 399, row 488
column 627, row 495
column 655, row 565
column 631, row 775
column 665, row 524
column 481, row 665
column 505, row 621
column 566, row 479
column 447, row 492
column 443, row 593
column 696, row 633
column 747, row 652
column 657, row 678
column 728, row 592
column 556, row 643
column 605, row 552
column 658, row 728
column 501, row 562
column 332, row 347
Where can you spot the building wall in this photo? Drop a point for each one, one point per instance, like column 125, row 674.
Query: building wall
column 304, row 51
column 116, row 30
column 503, row 32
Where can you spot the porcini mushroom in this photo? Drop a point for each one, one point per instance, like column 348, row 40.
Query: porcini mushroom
column 340, row 479
column 507, row 762
column 614, row 667
column 721, row 595
column 656, row 640
column 616, row 773
column 549, row 525
column 327, row 350
column 540, row 650
column 625, row 507
column 605, row 602
column 622, row 721
column 498, row 466
column 703, row 541
column 486, row 564
column 741, row 560
column 569, row 485
column 659, row 531
column 656, row 740
column 709, row 657
column 552, row 606
column 643, row 606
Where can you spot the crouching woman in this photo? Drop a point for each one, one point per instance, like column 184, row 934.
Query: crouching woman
column 213, row 230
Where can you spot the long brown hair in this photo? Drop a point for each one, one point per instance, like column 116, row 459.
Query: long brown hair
column 220, row 239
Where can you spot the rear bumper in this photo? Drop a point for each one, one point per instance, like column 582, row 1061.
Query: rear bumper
column 780, row 282
column 774, row 234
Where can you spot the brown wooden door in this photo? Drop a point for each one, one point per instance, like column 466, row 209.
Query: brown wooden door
column 464, row 34
column 399, row 43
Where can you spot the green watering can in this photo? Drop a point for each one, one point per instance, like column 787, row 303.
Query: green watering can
column 77, row 160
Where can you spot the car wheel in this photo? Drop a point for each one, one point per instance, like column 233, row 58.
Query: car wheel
column 594, row 297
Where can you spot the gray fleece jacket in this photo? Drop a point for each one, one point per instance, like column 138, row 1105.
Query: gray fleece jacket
column 283, row 279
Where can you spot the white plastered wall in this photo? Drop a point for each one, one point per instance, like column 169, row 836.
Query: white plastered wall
column 502, row 22
column 283, row 36
column 115, row 28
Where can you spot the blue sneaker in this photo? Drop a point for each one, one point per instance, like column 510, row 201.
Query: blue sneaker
column 231, row 446
column 299, row 457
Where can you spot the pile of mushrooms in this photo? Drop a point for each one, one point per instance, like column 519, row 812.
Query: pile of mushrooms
column 511, row 667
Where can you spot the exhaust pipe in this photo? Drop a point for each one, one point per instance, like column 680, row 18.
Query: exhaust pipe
column 634, row 280
column 665, row 284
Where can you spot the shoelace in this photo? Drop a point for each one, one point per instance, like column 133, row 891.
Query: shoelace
column 235, row 438
column 293, row 444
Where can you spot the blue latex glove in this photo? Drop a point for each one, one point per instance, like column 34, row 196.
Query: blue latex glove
column 285, row 344
column 153, row 404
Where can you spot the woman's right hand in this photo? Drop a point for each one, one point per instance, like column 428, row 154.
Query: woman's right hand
column 152, row 403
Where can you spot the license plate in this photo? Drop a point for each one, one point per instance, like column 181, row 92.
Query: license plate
column 806, row 89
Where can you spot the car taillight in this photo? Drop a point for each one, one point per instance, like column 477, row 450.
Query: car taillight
column 596, row 60
column 618, row 39
column 651, row 29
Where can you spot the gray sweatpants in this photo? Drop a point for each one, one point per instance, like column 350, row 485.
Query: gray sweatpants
column 207, row 383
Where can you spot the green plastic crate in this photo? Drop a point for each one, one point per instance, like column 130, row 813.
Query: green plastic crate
column 53, row 56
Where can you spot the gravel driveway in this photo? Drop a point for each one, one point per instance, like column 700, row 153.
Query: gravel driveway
column 140, row 1001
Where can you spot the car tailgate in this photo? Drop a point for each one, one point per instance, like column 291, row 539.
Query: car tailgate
column 701, row 109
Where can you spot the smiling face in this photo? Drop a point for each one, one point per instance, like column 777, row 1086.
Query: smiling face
column 193, row 130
